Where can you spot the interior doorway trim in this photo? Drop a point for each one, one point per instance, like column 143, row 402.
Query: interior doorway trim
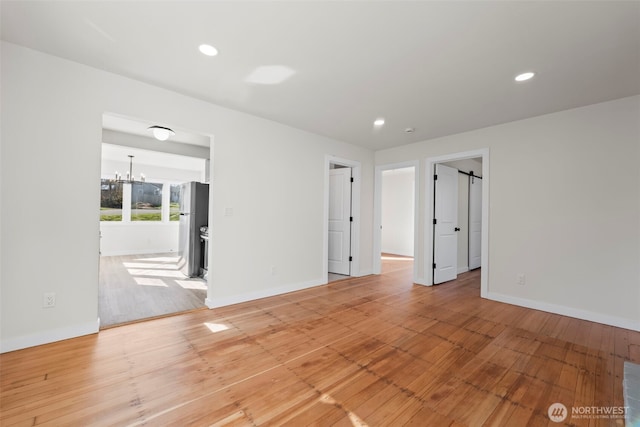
column 377, row 213
column 356, row 173
column 428, row 218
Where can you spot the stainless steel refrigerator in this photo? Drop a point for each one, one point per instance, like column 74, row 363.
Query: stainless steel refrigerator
column 194, row 213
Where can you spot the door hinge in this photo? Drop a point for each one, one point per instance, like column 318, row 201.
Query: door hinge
column 434, row 265
column 435, row 221
column 351, row 179
column 435, row 177
column 350, row 258
column 350, row 219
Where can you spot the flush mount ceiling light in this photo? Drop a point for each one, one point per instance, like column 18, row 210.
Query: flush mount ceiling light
column 525, row 76
column 207, row 49
column 161, row 133
column 378, row 122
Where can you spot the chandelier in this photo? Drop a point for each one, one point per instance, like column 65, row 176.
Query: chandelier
column 130, row 178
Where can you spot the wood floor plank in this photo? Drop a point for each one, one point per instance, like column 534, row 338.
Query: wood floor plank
column 365, row 351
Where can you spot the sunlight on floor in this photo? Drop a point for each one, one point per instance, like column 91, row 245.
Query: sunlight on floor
column 192, row 284
column 395, row 258
column 148, row 281
column 161, row 259
column 148, row 265
column 356, row 421
column 216, row 327
column 158, row 273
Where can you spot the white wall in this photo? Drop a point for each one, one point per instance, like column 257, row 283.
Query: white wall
column 139, row 237
column 398, row 189
column 271, row 175
column 563, row 208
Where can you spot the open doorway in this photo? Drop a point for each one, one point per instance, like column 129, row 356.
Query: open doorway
column 457, row 243
column 144, row 271
column 395, row 216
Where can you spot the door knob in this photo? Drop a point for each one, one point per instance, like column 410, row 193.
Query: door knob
column 456, row 229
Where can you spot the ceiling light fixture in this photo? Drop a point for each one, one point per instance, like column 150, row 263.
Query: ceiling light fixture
column 410, row 130
column 378, row 122
column 524, row 76
column 130, row 179
column 161, row 133
column 207, row 49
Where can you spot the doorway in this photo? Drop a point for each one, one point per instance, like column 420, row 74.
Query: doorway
column 397, row 218
column 341, row 219
column 457, row 218
column 140, row 273
column 395, row 215
column 446, row 250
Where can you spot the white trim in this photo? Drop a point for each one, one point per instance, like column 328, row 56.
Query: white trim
column 356, row 173
column 363, row 273
column 463, row 269
column 49, row 336
column 377, row 213
column 563, row 310
column 428, row 217
column 216, row 302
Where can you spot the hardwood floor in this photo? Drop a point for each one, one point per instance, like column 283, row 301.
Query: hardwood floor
column 135, row 287
column 370, row 351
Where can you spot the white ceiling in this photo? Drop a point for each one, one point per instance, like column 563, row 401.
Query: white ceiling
column 440, row 67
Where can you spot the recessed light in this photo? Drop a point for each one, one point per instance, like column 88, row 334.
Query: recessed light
column 207, row 49
column 410, row 130
column 378, row 122
column 524, row 76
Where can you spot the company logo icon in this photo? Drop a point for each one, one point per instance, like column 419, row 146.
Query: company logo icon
column 557, row 412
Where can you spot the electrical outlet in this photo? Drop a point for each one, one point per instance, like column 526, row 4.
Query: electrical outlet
column 521, row 279
column 273, row 270
column 48, row 300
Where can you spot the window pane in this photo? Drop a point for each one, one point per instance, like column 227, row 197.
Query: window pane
column 174, row 209
column 146, row 201
column 110, row 200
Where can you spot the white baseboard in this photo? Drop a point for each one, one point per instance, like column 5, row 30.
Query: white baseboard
column 421, row 281
column 619, row 322
column 139, row 252
column 463, row 269
column 250, row 296
column 363, row 273
column 49, row 336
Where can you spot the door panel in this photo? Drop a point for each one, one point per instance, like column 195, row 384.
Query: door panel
column 445, row 234
column 339, row 221
column 475, row 222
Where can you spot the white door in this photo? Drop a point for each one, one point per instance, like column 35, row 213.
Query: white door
column 339, row 220
column 475, row 222
column 445, row 244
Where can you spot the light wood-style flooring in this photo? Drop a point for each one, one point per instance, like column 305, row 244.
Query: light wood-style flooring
column 370, row 351
column 135, row 287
